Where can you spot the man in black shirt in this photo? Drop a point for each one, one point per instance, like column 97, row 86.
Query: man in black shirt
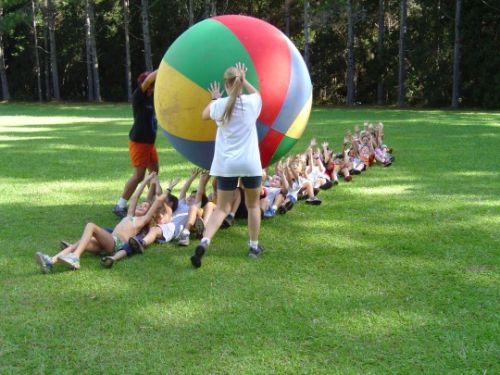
column 142, row 138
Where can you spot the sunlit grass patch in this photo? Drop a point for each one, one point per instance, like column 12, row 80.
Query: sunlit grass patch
column 395, row 272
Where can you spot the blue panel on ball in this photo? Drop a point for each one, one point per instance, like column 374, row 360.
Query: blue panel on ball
column 198, row 153
column 299, row 92
column 261, row 130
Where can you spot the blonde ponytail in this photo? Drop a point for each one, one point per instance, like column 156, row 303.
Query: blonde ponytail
column 234, row 83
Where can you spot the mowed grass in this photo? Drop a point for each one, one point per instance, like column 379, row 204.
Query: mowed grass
column 396, row 272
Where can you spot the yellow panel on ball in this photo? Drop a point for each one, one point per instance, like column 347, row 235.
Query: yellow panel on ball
column 179, row 101
column 299, row 124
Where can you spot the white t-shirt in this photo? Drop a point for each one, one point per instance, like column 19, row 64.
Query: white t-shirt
column 180, row 215
column 236, row 144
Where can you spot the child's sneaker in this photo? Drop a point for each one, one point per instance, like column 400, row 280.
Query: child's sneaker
column 269, row 213
column 198, row 254
column 64, row 244
column 70, row 260
column 289, row 205
column 44, row 261
column 255, row 252
column 136, row 244
column 228, row 221
column 199, row 228
column 183, row 239
column 107, row 262
column 314, row 201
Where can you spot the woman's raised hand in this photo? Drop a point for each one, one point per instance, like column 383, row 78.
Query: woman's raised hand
column 242, row 69
column 214, row 90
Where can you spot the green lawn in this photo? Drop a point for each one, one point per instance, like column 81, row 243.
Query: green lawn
column 396, row 272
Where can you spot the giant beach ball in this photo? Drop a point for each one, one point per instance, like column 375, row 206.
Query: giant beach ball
column 200, row 56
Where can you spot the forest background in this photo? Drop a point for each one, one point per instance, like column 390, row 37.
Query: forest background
column 422, row 53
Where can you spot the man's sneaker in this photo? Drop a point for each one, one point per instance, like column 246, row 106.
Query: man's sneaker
column 183, row 239
column 289, row 205
column 121, row 212
column 255, row 252
column 136, row 244
column 199, row 228
column 314, row 201
column 44, row 261
column 198, row 254
column 70, row 260
column 228, row 221
column 64, row 244
column 107, row 262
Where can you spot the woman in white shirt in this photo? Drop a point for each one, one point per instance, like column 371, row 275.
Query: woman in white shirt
column 236, row 154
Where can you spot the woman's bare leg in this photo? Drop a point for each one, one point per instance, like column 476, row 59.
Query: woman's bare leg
column 252, row 201
column 224, row 201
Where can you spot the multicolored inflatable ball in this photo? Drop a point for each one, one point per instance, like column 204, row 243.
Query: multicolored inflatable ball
column 201, row 55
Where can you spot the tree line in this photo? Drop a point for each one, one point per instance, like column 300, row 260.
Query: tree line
column 432, row 53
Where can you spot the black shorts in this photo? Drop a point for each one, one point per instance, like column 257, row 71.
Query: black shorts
column 231, row 183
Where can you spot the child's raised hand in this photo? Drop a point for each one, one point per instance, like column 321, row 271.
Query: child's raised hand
column 313, row 142
column 324, row 145
column 195, row 171
column 151, row 176
column 172, row 183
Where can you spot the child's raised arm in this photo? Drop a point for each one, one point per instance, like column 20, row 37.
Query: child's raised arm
column 205, row 176
column 137, row 194
column 195, row 172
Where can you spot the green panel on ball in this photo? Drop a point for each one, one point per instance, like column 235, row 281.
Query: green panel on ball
column 285, row 145
column 205, row 51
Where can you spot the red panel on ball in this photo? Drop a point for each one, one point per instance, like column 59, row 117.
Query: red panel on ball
column 263, row 41
column 269, row 145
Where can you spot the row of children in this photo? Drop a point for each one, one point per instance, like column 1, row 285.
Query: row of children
column 163, row 217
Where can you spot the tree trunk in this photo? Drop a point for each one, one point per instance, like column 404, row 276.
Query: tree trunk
column 88, row 49
column 306, row 32
column 93, row 79
column 456, row 56
column 213, row 8
column 191, row 13
column 380, row 52
column 145, row 34
column 3, row 70
column 128, row 73
column 350, row 56
column 46, row 61
column 37, row 57
column 287, row 17
column 402, row 32
column 53, row 51
column 206, row 13
column 3, row 73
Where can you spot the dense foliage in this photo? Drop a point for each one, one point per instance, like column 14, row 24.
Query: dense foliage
column 429, row 46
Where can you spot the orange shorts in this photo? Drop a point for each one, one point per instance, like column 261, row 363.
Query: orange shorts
column 142, row 154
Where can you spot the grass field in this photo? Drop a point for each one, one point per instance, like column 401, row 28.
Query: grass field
column 396, row 272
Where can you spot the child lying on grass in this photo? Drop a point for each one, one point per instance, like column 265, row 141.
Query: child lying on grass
column 96, row 239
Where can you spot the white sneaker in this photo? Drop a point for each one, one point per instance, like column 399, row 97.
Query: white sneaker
column 184, row 239
column 70, row 260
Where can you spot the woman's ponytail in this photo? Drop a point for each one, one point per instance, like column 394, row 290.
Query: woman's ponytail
column 234, row 83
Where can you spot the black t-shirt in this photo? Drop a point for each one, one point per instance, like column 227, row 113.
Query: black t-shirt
column 144, row 128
